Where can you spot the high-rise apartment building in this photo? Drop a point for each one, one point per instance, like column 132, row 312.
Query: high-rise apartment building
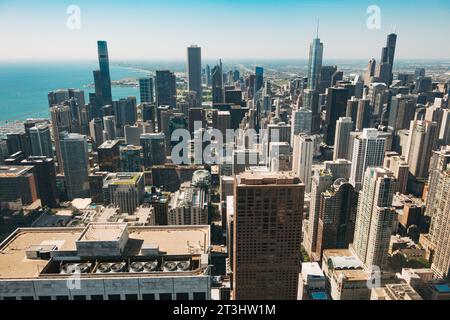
column 40, row 141
column 303, row 159
column 368, row 151
column 267, row 236
column 439, row 162
column 375, row 217
column 341, row 141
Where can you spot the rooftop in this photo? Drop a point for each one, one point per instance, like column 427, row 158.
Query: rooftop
column 172, row 240
column 14, row 171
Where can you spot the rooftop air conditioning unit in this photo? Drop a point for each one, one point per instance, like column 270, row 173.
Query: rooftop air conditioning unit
column 151, row 266
column 136, row 267
column 118, row 267
column 104, row 267
column 74, row 268
column 184, row 265
column 170, row 266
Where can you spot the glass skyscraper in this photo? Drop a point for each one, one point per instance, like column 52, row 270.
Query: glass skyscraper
column 315, row 63
column 103, row 61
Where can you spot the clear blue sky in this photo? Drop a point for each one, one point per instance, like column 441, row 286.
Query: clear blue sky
column 162, row 29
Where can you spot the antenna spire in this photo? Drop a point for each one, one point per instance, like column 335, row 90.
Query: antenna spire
column 317, row 30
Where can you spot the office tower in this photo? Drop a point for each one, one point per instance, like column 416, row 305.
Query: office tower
column 40, row 141
column 267, row 236
column 403, row 108
column 364, row 115
column 17, row 141
column 326, row 73
column 337, row 215
column 132, row 135
column 103, row 60
column 153, row 149
column 96, row 131
column 208, row 76
column 341, row 141
column 233, row 96
column 422, row 141
column 181, row 272
column 370, row 73
column 303, row 159
column 196, row 115
column 384, row 71
column 74, row 152
column 148, row 112
column 59, row 96
column 194, row 72
column 259, row 78
column 399, row 167
column 124, row 190
column 18, row 187
column 440, row 226
column 166, row 88
column 368, row 151
column 217, row 85
column 375, row 217
column 320, row 182
column 423, row 85
column 439, row 162
column 60, row 116
column 125, row 111
column 146, row 89
column 109, row 156
column 311, row 102
column 131, row 158
column 337, row 77
column 315, row 63
column 336, row 108
column 223, row 121
column 109, row 127
column 45, row 174
column 189, row 205
column 301, row 122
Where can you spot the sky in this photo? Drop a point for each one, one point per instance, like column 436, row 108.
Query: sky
column 229, row 29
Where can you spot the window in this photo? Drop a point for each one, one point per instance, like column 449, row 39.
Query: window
column 183, row 296
column 62, row 298
column 131, row 297
column 45, row 298
column 78, row 298
column 114, row 297
column 199, row 296
column 148, row 296
column 165, row 296
column 28, row 298
column 97, row 297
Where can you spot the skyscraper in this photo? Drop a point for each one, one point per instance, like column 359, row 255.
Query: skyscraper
column 439, row 162
column 336, row 108
column 370, row 73
column 267, row 236
column 368, row 151
column 146, row 89
column 303, row 159
column 131, row 158
column 384, row 72
column 40, row 141
column 301, row 122
column 421, row 144
column 74, row 152
column 217, row 85
column 60, row 116
column 315, row 63
column 375, row 217
column 440, row 226
column 166, row 89
column 259, row 78
column 103, row 60
column 153, row 149
column 341, row 142
column 194, row 71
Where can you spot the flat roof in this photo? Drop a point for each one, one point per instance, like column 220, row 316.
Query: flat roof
column 172, row 240
column 103, row 232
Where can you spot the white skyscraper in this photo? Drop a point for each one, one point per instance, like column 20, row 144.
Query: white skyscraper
column 368, row 151
column 303, row 159
column 341, row 140
column 375, row 217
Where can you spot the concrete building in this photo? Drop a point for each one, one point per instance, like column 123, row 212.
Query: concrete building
column 439, row 162
column 302, row 159
column 397, row 164
column 40, row 141
column 375, row 217
column 110, row 261
column 18, row 187
column 341, row 142
column 266, row 252
column 124, row 190
column 368, row 151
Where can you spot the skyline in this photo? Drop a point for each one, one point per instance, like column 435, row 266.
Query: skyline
column 224, row 29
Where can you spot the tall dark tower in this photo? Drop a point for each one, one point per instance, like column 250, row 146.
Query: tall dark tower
column 387, row 60
column 103, row 61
